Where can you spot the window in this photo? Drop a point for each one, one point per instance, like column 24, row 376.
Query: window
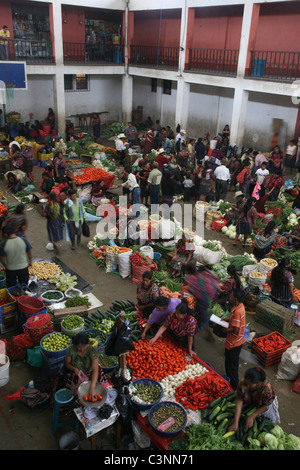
column 167, row 87
column 79, row 82
column 154, row 85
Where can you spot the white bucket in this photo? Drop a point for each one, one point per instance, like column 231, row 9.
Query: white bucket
column 69, row 441
column 4, row 369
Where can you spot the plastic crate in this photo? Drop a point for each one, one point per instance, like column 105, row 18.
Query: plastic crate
column 267, row 359
column 8, row 312
column 53, row 367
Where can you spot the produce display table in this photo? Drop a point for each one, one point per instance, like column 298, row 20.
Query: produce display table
column 41, row 286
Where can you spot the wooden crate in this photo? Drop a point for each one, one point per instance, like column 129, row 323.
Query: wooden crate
column 274, row 316
column 265, row 358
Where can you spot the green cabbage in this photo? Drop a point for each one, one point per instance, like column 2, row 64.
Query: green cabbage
column 291, row 442
column 271, row 441
column 277, row 432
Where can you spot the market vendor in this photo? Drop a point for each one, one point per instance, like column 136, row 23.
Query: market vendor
column 147, row 292
column 98, row 192
column 264, row 241
column 13, row 183
column 275, row 183
column 184, row 249
column 28, row 157
column 181, row 326
column 282, row 284
column 81, row 356
column 231, row 283
column 294, row 236
column 121, row 147
column 59, row 167
column 256, row 392
column 232, row 215
column 15, row 253
column 246, row 220
column 47, row 183
column 163, row 307
column 15, row 155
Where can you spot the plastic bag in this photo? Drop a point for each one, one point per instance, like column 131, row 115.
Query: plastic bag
column 85, row 229
column 119, row 341
column 34, row 357
column 296, row 386
column 289, row 366
column 140, row 437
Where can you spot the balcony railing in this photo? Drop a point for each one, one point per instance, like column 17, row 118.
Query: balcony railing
column 154, row 56
column 275, row 65
column 31, row 52
column 92, row 54
column 213, row 61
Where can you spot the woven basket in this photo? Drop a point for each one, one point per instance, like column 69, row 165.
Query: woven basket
column 30, row 305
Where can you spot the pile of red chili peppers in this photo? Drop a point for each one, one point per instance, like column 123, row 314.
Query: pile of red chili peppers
column 197, row 393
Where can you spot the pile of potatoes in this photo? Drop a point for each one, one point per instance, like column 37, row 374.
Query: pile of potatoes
column 44, row 269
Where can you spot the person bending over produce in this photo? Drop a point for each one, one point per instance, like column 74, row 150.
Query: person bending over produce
column 163, row 307
column 264, row 241
column 181, row 326
column 235, row 336
column 256, row 392
column 204, row 286
column 231, row 283
column 147, row 292
column 81, row 356
column 247, row 219
column 184, row 249
column 282, row 284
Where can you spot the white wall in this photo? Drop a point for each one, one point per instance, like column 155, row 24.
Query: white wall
column 261, row 110
column 105, row 95
column 155, row 104
column 37, row 99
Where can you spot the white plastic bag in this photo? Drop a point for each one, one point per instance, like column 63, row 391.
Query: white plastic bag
column 289, row 367
column 147, row 250
column 140, row 437
column 124, row 264
column 206, row 256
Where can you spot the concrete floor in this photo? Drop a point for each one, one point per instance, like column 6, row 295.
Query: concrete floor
column 24, row 429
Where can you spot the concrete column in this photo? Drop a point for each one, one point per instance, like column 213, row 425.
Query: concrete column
column 127, row 93
column 58, row 79
column 239, row 111
column 182, row 104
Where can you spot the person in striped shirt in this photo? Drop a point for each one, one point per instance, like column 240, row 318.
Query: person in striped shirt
column 235, row 336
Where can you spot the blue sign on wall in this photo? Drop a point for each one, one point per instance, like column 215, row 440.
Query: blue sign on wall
column 13, row 73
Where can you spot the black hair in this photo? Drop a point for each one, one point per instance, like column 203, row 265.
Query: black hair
column 232, row 271
column 269, row 227
column 72, row 191
column 127, row 169
column 255, row 375
column 248, row 205
column 277, row 274
column 147, row 275
column 20, row 208
column 161, row 301
column 191, row 268
column 52, row 196
column 81, row 338
column 182, row 307
column 239, row 295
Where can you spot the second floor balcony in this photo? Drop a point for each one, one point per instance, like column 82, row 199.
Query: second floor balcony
column 213, row 61
column 31, row 52
column 75, row 53
column 275, row 65
column 154, row 57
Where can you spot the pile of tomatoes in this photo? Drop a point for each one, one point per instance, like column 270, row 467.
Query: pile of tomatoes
column 156, row 361
column 272, row 342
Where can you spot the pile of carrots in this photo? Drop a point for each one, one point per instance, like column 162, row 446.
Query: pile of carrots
column 99, row 253
column 297, row 294
column 165, row 292
column 123, row 250
column 156, row 361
